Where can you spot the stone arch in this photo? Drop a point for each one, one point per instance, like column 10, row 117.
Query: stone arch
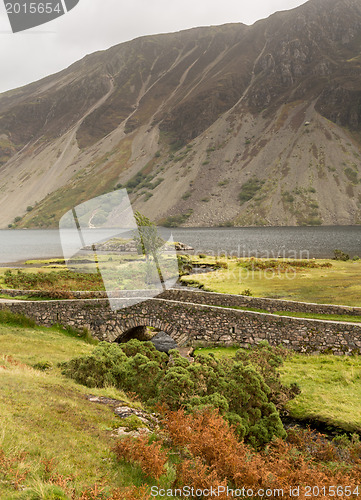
column 125, row 326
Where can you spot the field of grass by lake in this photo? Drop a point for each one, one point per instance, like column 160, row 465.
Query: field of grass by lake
column 317, row 281
column 331, row 282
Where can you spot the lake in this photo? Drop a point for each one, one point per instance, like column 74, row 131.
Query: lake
column 291, row 242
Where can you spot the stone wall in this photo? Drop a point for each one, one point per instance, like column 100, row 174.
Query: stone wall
column 210, row 298
column 271, row 305
column 95, row 294
column 190, row 323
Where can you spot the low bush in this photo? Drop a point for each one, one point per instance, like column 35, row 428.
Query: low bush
column 209, row 454
column 149, row 456
column 176, row 220
column 245, row 389
column 340, row 255
column 249, row 189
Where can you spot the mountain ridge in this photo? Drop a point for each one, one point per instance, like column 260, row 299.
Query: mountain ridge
column 222, row 125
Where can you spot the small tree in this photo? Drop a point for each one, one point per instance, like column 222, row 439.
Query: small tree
column 148, row 241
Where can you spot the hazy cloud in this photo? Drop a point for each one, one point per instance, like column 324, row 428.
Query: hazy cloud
column 99, row 24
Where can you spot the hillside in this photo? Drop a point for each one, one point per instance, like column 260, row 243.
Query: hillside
column 227, row 125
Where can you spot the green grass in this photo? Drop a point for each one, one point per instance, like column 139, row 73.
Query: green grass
column 331, row 389
column 46, row 417
column 219, row 352
column 339, row 284
column 330, row 385
column 18, row 297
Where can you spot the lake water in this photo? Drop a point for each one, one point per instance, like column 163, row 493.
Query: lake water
column 292, row 242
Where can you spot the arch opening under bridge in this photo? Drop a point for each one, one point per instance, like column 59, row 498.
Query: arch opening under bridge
column 161, row 334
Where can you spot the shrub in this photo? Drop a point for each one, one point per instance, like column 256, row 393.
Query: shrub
column 249, row 189
column 210, row 455
column 177, row 220
column 134, row 366
column 237, row 387
column 43, row 365
column 150, row 457
column 185, row 265
column 340, row 255
column 351, row 174
column 266, row 359
column 281, row 265
column 287, row 197
column 186, row 195
column 135, row 181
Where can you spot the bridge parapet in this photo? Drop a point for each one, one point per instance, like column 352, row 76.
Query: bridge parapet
column 270, row 305
column 190, row 324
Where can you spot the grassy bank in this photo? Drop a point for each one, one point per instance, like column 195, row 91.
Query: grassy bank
column 337, row 284
column 331, row 389
column 330, row 385
column 51, row 435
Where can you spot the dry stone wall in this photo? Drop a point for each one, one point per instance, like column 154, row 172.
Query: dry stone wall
column 271, row 305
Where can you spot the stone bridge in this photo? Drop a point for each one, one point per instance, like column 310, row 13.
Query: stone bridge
column 194, row 318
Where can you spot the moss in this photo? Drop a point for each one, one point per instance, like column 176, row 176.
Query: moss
column 132, row 423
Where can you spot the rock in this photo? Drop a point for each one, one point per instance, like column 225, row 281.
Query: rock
column 182, row 247
column 120, row 432
column 164, row 342
column 123, row 411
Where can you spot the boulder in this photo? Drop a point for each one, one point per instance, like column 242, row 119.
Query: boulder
column 164, row 342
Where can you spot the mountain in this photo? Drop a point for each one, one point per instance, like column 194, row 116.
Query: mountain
column 226, row 125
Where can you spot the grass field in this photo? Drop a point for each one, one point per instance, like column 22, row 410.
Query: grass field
column 329, row 282
column 338, row 284
column 48, row 427
column 330, row 385
column 331, row 389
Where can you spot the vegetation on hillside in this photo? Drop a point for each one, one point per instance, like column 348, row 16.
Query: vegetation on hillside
column 245, row 389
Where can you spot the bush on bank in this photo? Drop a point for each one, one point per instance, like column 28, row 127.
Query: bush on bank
column 245, row 389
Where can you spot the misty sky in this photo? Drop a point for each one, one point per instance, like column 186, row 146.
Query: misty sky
column 98, row 24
